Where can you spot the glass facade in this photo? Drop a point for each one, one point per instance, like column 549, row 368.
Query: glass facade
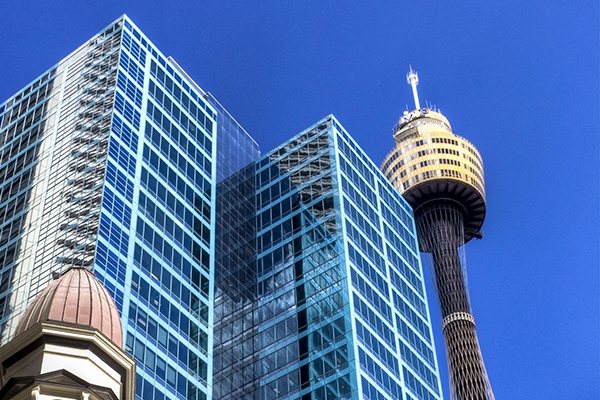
column 319, row 288
column 109, row 161
column 238, row 276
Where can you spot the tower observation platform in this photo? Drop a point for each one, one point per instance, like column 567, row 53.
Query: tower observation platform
column 441, row 175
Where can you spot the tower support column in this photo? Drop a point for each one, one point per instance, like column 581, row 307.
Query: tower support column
column 440, row 226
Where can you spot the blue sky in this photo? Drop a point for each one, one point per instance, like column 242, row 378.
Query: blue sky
column 518, row 79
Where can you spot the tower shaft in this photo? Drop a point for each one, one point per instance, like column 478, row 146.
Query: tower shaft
column 440, row 227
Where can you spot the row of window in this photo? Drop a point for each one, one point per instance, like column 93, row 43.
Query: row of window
column 364, row 206
column 278, row 210
column 194, row 224
column 411, row 337
column 416, row 386
column 6, row 280
column 13, row 170
column 425, row 141
column 366, row 247
column 408, row 293
column 379, row 374
column 368, row 229
column 450, row 173
column 169, row 69
column 358, row 181
column 190, row 274
column 419, row 366
column 273, row 192
column 401, row 266
column 130, row 89
column 396, row 203
column 401, row 247
column 113, row 233
column 267, row 175
column 374, row 298
column 374, row 277
column 176, row 290
column 5, row 306
column 166, row 249
column 111, row 263
column 189, row 126
column 373, row 320
column 129, row 65
column 15, row 206
column 476, row 173
column 274, row 235
column 119, row 181
column 115, row 292
column 116, row 207
column 176, row 155
column 175, row 179
column 366, row 160
column 164, row 221
column 411, row 316
column 398, row 227
column 134, row 48
column 158, row 189
column 151, row 326
column 127, row 110
column 11, row 189
column 196, row 111
column 279, row 279
column 21, row 142
column 440, row 161
column 125, row 134
column 363, row 166
column 328, row 362
column 122, row 157
column 327, row 334
column 149, row 391
column 163, row 305
column 442, row 140
column 388, row 358
column 30, row 89
column 285, row 385
column 273, row 259
column 8, row 255
column 300, row 149
column 472, row 151
column 158, row 367
column 384, row 167
column 371, row 393
column 33, row 107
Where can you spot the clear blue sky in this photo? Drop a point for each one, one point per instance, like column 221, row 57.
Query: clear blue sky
column 519, row 79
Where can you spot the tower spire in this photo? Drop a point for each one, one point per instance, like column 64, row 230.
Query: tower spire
column 413, row 80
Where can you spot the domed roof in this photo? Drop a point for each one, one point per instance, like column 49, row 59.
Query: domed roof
column 79, row 298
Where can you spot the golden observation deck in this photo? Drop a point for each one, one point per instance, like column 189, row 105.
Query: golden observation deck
column 429, row 162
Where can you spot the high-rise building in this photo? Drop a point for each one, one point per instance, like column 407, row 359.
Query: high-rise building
column 319, row 289
column 108, row 162
column 441, row 175
column 117, row 162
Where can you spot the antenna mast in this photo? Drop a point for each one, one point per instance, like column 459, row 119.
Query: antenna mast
column 413, row 80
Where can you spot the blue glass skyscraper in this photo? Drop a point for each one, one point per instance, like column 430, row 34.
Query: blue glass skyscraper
column 319, row 289
column 108, row 161
column 238, row 276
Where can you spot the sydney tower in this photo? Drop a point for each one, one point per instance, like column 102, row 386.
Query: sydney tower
column 441, row 175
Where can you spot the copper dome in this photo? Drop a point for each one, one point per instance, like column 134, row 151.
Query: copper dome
column 79, row 298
